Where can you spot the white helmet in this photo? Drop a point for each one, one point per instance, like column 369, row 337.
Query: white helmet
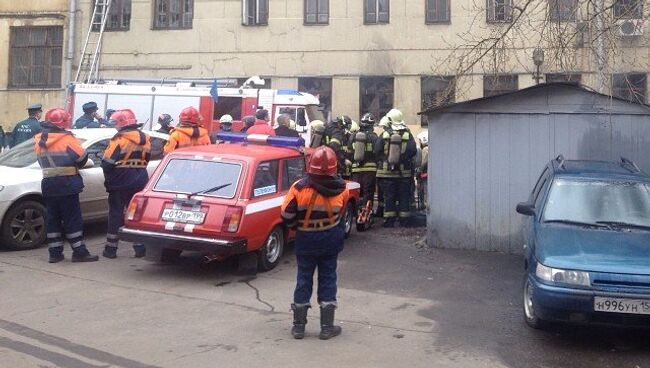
column 225, row 119
column 423, row 137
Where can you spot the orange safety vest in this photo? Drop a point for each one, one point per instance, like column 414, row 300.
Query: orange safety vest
column 313, row 211
column 186, row 136
column 129, row 149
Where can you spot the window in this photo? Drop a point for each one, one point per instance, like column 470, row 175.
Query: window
column 296, row 113
column 96, row 151
column 631, row 87
column 437, row 11
column 255, row 12
column 317, row 11
column 266, row 179
column 436, row 91
column 376, row 95
column 119, row 16
column 266, row 85
column 36, row 57
column 157, row 148
column 498, row 84
column 321, row 88
column 228, row 105
column 628, row 9
column 563, row 78
column 222, row 177
column 173, row 14
column 499, row 11
column 294, row 169
column 562, row 10
column 376, row 11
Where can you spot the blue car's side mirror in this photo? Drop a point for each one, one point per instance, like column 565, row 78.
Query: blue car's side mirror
column 525, row 208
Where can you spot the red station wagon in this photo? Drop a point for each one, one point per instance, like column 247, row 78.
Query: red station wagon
column 222, row 200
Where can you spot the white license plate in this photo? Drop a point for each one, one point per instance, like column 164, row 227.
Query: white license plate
column 618, row 305
column 186, row 217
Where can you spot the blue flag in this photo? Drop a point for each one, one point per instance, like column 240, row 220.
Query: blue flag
column 214, row 92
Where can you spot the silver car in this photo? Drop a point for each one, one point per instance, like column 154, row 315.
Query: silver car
column 22, row 213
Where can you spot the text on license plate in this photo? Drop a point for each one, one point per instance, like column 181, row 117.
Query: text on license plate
column 619, row 305
column 186, row 217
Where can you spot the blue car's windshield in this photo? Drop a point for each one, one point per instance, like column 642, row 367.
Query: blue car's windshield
column 590, row 201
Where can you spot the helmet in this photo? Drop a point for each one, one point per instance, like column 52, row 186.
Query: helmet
column 354, row 127
column 165, row 120
column 226, row 123
column 123, row 118
column 292, row 124
column 423, row 137
column 59, row 118
column 190, row 115
column 322, row 162
column 344, row 121
column 395, row 117
column 367, row 120
column 384, row 122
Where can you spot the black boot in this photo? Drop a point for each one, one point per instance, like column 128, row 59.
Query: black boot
column 389, row 222
column 81, row 254
column 299, row 320
column 140, row 250
column 327, row 328
column 56, row 254
column 110, row 252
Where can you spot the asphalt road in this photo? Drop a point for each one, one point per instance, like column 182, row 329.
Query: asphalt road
column 400, row 306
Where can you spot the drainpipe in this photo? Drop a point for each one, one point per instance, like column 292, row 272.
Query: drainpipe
column 72, row 20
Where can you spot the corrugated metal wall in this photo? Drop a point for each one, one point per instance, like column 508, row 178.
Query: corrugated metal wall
column 482, row 164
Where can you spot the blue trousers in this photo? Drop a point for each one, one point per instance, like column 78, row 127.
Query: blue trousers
column 63, row 218
column 326, row 278
column 118, row 200
column 397, row 197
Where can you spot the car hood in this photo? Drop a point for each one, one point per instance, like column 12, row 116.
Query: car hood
column 595, row 250
column 19, row 175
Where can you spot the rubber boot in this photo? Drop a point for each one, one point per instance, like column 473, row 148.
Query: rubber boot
column 140, row 250
column 81, row 254
column 389, row 222
column 299, row 320
column 110, row 252
column 56, row 254
column 327, row 328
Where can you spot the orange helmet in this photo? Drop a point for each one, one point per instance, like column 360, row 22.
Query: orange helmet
column 59, row 118
column 123, row 118
column 322, row 162
column 190, row 115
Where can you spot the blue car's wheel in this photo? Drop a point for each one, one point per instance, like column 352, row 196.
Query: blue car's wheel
column 529, row 306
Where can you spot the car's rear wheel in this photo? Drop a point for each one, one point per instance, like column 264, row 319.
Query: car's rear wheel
column 529, row 306
column 270, row 253
column 348, row 219
column 23, row 226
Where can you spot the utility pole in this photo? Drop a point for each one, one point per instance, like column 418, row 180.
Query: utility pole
column 599, row 51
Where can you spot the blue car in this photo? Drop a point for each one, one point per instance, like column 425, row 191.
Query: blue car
column 587, row 244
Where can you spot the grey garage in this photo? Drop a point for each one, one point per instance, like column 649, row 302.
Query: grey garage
column 486, row 154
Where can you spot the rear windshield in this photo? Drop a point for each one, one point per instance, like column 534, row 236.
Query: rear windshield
column 209, row 178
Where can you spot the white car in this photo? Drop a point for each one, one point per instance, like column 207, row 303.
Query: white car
column 22, row 214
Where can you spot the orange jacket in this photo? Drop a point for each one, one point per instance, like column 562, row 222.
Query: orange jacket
column 310, row 211
column 186, row 136
column 125, row 160
column 60, row 155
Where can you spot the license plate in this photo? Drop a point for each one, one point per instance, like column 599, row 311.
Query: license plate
column 618, row 305
column 186, row 217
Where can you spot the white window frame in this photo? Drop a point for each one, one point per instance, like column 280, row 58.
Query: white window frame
column 257, row 19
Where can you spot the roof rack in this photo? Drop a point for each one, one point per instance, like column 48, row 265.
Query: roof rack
column 630, row 165
column 560, row 161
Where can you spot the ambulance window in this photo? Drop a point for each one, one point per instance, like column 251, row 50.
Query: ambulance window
column 228, row 105
column 294, row 169
column 301, row 120
column 291, row 111
column 266, row 179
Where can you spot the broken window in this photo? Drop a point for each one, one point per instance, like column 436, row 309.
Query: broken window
column 317, row 11
column 321, row 88
column 255, row 12
column 173, row 14
column 376, row 95
column 436, row 91
column 119, row 16
column 631, row 86
column 499, row 11
column 376, row 11
column 437, row 11
column 499, row 84
column 36, row 57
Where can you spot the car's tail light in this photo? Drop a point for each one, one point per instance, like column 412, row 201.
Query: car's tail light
column 231, row 220
column 135, row 209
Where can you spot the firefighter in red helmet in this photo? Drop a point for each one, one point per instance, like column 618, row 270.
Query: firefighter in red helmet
column 125, row 173
column 189, row 131
column 315, row 206
column 60, row 155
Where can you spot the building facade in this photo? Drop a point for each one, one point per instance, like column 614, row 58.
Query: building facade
column 356, row 55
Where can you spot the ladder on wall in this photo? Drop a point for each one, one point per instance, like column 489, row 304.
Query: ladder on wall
column 88, row 69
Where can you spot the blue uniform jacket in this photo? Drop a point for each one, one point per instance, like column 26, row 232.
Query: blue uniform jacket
column 25, row 130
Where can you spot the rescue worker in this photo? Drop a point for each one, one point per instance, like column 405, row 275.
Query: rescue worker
column 188, row 132
column 60, row 156
column 335, row 139
column 379, row 212
column 396, row 150
column 125, row 173
column 261, row 125
column 364, row 162
column 225, row 123
column 247, row 121
column 314, row 206
column 27, row 128
column 283, row 129
column 165, row 121
column 317, row 133
column 90, row 118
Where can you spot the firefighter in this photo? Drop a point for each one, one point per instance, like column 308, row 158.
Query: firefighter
column 315, row 206
column 125, row 173
column 364, row 163
column 335, row 138
column 396, row 149
column 90, row 118
column 317, row 133
column 27, row 128
column 384, row 125
column 225, row 123
column 165, row 121
column 60, row 156
column 188, row 132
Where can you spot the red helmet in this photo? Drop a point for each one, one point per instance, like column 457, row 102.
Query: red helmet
column 322, row 162
column 59, row 117
column 123, row 118
column 190, row 115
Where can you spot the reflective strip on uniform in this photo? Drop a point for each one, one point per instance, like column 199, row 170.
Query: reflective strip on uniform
column 56, row 244
column 77, row 244
column 59, row 171
column 53, row 235
column 74, row 235
column 404, row 214
column 390, row 214
column 112, row 236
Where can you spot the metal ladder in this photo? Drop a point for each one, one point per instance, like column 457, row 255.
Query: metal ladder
column 88, row 69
